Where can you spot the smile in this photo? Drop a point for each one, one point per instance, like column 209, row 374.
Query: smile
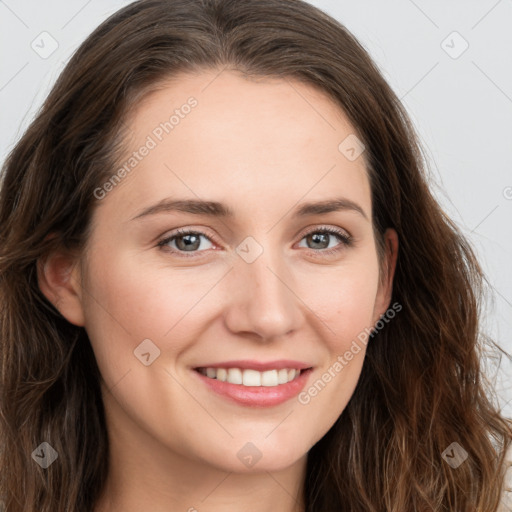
column 251, row 378
column 260, row 385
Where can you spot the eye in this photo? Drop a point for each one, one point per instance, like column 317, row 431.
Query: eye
column 185, row 241
column 320, row 238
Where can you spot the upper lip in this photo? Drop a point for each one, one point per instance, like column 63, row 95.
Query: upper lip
column 246, row 364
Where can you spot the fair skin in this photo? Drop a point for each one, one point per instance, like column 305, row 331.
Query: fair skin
column 262, row 148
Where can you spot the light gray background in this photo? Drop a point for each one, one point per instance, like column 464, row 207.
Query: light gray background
column 460, row 102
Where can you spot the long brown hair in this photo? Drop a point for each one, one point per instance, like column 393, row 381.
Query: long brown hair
column 421, row 387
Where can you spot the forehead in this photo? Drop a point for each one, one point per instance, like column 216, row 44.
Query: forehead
column 225, row 137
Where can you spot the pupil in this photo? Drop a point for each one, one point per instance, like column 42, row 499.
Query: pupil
column 188, row 243
column 319, row 238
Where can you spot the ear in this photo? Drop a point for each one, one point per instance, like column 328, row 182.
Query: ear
column 385, row 290
column 58, row 275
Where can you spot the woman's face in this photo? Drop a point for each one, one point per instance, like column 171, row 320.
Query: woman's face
column 271, row 288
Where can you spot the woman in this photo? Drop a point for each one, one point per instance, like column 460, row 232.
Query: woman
column 226, row 284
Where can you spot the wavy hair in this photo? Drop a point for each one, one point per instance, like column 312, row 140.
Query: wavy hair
column 422, row 386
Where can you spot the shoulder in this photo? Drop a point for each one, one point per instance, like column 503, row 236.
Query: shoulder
column 506, row 500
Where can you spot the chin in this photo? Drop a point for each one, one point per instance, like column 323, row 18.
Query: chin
column 258, row 457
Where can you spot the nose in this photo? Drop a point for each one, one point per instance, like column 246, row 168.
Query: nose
column 262, row 299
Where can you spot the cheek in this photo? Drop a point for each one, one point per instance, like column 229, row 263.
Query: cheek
column 128, row 301
column 346, row 304
column 347, row 311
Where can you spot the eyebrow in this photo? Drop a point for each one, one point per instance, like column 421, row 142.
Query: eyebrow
column 216, row 209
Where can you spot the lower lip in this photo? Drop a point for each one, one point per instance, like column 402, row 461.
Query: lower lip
column 257, row 396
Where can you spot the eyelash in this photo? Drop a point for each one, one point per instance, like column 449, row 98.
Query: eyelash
column 346, row 241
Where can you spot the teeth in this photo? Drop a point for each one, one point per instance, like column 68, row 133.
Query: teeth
column 251, row 378
column 235, row 376
column 282, row 376
column 269, row 378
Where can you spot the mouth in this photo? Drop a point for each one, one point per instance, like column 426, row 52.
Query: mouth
column 252, row 378
column 264, row 387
